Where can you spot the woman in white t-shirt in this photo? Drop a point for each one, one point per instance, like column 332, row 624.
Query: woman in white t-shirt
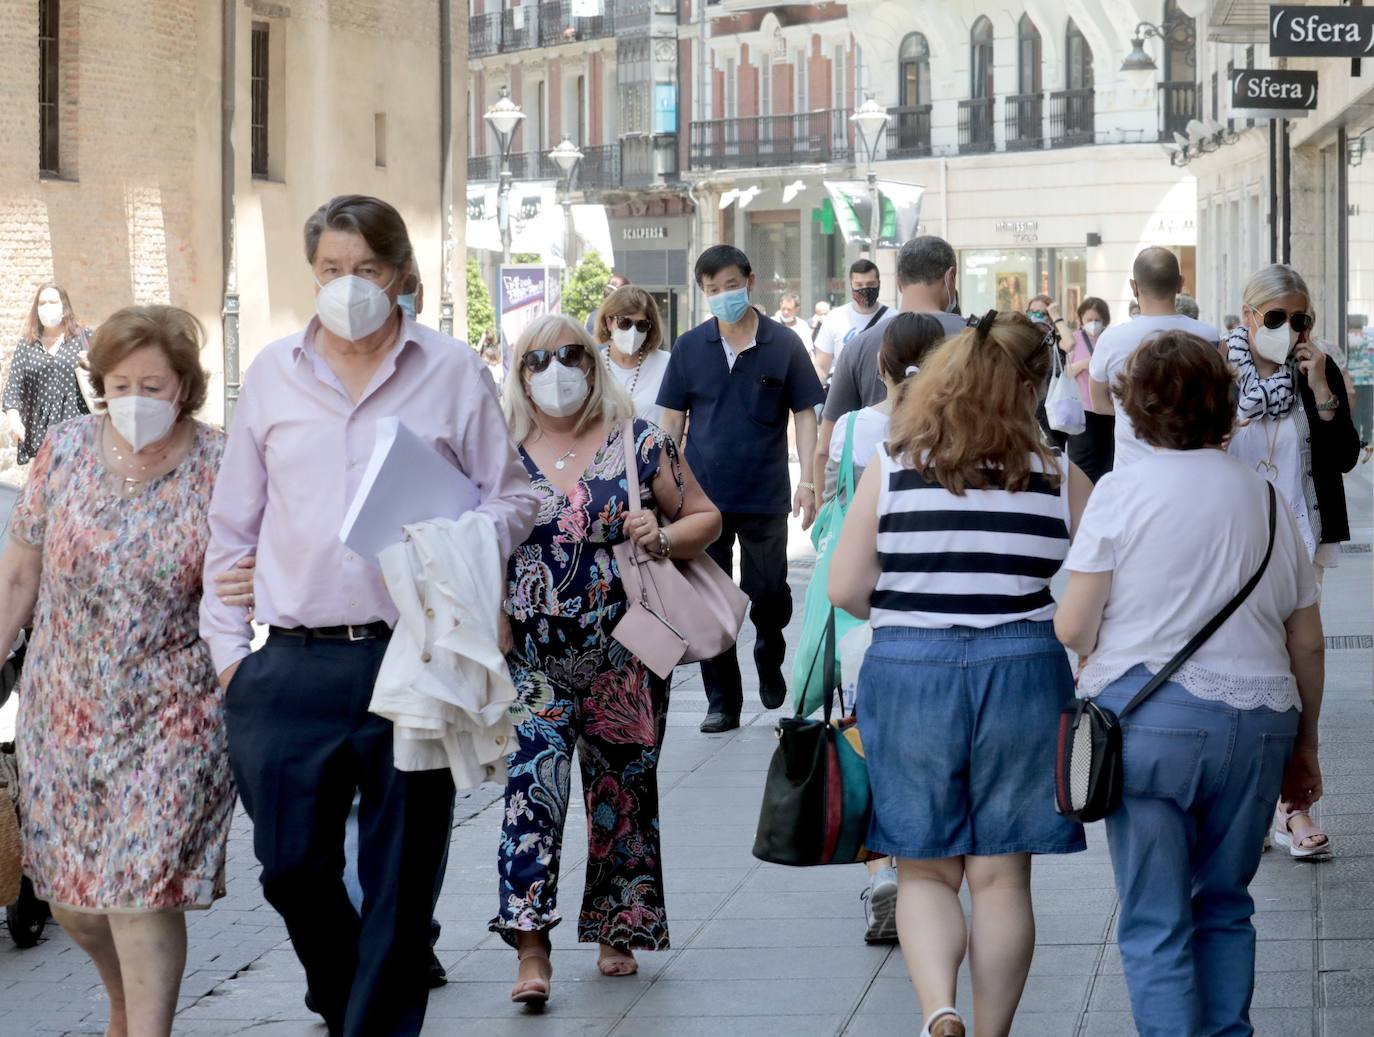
column 907, row 338
column 631, row 336
column 1163, row 545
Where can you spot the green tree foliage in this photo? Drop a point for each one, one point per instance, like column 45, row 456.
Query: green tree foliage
column 585, row 286
column 481, row 317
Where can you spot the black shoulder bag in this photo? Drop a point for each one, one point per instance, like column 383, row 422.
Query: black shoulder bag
column 1087, row 758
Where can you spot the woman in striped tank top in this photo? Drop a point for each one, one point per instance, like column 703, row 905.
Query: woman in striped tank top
column 956, row 529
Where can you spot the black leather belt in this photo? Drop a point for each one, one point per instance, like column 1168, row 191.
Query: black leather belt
column 364, row 632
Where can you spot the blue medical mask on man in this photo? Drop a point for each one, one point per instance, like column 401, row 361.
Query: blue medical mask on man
column 406, row 302
column 729, row 306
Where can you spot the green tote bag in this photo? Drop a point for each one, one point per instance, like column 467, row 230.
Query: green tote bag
column 808, row 667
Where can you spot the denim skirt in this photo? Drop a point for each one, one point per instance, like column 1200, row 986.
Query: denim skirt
column 958, row 727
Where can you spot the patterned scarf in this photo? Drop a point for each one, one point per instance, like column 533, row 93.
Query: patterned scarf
column 1272, row 396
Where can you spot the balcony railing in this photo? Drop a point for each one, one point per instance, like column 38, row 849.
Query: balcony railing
column 557, row 24
column 908, row 131
column 1022, row 116
column 534, row 24
column 771, row 140
column 483, row 168
column 1178, row 103
column 599, row 168
column 484, row 34
column 975, row 125
column 1071, row 118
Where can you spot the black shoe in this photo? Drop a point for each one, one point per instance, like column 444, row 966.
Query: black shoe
column 310, row 1003
column 716, row 723
column 772, row 688
column 436, row 975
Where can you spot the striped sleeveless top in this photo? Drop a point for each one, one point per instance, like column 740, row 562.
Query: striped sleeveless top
column 979, row 560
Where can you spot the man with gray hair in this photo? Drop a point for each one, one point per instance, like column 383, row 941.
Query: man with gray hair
column 927, row 272
column 1187, row 305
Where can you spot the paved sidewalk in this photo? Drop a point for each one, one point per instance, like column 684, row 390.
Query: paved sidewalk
column 764, row 950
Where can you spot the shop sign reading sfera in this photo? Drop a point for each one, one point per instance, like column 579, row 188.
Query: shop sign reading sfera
column 1297, row 31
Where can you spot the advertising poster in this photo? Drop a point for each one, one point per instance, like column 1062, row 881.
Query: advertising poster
column 525, row 291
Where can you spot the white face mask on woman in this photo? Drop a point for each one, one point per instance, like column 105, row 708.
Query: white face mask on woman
column 50, row 314
column 141, row 419
column 1274, row 344
column 629, row 340
column 353, row 307
column 1093, row 328
column 559, row 390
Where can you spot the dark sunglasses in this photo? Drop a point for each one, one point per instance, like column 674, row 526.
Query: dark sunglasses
column 625, row 324
column 570, row 355
column 1299, row 321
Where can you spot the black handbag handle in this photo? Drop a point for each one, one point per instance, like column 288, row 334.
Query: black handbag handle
column 1211, row 628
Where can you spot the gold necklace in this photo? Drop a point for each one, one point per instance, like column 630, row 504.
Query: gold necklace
column 1267, row 468
column 131, row 483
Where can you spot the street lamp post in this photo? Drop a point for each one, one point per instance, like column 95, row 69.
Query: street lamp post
column 503, row 117
column 568, row 156
column 870, row 120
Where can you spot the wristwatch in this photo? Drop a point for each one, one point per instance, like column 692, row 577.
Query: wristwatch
column 807, row 486
column 665, row 546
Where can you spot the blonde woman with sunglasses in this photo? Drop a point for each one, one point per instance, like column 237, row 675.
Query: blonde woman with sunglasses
column 579, row 686
column 631, row 337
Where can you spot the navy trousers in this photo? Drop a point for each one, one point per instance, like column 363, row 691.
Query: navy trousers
column 301, row 742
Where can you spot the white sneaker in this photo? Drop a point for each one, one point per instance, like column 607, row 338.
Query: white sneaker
column 880, row 906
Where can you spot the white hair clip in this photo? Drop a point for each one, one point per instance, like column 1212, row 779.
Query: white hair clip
column 912, row 369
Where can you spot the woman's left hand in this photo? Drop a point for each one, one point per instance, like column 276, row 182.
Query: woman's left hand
column 642, row 527
column 1312, row 363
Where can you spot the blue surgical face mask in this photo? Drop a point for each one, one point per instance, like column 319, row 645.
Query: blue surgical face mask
column 407, row 304
column 730, row 306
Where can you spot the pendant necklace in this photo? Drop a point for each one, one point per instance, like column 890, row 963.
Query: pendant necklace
column 1267, row 468
column 131, row 483
column 562, row 462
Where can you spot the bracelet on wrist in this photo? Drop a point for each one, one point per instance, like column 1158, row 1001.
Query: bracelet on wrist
column 807, row 486
column 665, row 546
column 1328, row 406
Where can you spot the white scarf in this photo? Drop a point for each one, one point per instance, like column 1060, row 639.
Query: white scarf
column 1259, row 397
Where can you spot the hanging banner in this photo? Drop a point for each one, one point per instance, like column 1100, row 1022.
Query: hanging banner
column 482, row 229
column 593, row 231
column 899, row 213
column 1299, row 31
column 586, row 8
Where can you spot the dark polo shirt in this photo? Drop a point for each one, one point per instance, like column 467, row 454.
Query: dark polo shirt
column 737, row 442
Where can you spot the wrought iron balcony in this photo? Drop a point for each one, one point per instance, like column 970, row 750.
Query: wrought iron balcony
column 599, row 168
column 1178, row 103
column 1072, row 118
column 771, row 140
column 975, row 125
column 557, row 24
column 908, row 131
column 1021, row 114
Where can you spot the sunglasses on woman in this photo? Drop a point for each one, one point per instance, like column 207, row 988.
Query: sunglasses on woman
column 570, row 355
column 1299, row 321
column 626, row 323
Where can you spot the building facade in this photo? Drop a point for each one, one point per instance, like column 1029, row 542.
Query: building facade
column 1040, row 160
column 123, row 179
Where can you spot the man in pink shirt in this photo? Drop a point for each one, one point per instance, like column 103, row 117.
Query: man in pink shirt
column 301, row 739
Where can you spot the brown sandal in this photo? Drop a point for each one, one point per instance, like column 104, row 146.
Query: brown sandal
column 533, row 992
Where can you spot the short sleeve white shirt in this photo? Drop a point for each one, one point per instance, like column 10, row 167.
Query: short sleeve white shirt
column 643, row 382
column 1181, row 532
column 839, row 327
column 1114, row 346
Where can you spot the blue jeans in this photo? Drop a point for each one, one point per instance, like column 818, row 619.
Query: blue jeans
column 1201, row 780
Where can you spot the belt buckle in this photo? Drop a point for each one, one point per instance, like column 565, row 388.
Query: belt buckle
column 360, row 637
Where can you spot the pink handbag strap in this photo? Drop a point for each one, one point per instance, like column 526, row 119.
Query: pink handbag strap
column 627, row 436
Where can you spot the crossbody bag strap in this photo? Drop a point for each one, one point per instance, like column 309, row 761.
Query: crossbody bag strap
column 876, row 317
column 1211, row 628
column 844, row 480
column 627, row 436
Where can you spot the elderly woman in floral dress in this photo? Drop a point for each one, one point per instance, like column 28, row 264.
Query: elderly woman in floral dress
column 580, row 686
column 125, row 788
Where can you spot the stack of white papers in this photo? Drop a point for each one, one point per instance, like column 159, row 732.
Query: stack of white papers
column 406, row 481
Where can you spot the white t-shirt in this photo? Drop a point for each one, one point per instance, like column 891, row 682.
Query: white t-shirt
column 870, row 431
column 1113, row 348
column 645, row 387
column 1181, row 532
column 841, row 325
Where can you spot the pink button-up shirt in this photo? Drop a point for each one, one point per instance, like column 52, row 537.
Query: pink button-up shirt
column 296, row 455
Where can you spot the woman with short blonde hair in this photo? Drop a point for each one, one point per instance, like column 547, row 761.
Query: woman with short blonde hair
column 126, row 793
column 578, row 685
column 630, row 331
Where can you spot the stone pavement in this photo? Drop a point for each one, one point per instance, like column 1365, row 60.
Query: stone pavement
column 763, row 950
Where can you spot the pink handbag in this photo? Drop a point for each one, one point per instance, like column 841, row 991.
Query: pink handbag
column 679, row 611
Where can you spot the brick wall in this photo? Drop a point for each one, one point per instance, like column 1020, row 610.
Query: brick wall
column 820, row 78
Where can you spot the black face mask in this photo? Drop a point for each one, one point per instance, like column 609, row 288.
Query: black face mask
column 868, row 295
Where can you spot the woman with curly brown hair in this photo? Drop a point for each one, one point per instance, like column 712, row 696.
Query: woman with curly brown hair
column 958, row 524
column 42, row 388
column 1163, row 545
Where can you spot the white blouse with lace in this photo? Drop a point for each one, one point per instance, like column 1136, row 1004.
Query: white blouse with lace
column 1181, row 532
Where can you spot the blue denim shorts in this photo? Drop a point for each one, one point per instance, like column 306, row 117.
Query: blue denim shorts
column 958, row 728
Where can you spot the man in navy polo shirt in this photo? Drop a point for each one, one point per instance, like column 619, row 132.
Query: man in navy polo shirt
column 737, row 376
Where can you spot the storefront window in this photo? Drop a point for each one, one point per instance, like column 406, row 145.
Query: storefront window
column 1007, row 279
column 1359, row 337
column 774, row 250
